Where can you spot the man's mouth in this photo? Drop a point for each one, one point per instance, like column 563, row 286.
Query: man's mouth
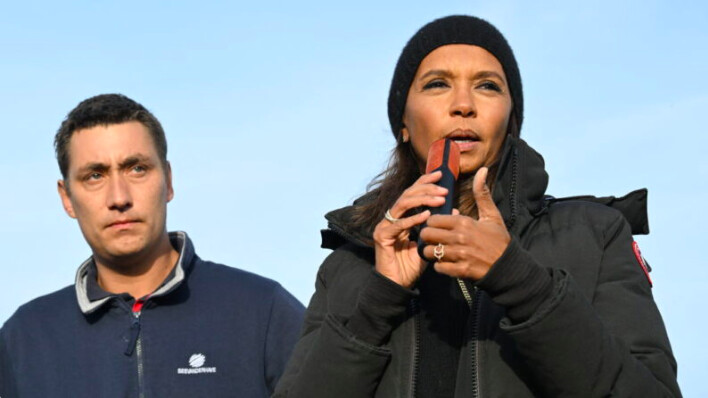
column 121, row 224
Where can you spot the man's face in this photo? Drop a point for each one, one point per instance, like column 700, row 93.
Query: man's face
column 117, row 189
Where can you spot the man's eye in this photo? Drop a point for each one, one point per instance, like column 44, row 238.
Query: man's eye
column 437, row 83
column 94, row 176
column 138, row 169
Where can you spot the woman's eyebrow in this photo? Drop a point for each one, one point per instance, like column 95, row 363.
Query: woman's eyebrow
column 436, row 72
column 479, row 75
column 487, row 74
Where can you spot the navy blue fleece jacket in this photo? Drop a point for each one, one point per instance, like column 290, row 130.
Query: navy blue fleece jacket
column 208, row 331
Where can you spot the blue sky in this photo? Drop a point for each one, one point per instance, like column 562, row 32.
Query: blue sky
column 275, row 114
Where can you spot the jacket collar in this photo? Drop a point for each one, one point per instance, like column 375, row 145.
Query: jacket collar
column 179, row 240
column 520, row 184
column 519, row 189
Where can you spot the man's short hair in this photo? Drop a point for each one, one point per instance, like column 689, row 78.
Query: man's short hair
column 104, row 110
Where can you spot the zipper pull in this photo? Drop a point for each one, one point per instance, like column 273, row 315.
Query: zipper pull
column 135, row 327
column 134, row 334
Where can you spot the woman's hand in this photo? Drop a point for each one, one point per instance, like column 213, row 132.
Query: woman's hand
column 396, row 256
column 470, row 246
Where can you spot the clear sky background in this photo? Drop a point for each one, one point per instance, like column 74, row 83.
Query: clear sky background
column 275, row 113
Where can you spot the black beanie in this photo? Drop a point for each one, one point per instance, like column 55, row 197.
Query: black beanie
column 454, row 29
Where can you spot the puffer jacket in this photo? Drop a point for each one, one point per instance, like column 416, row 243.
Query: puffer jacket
column 599, row 333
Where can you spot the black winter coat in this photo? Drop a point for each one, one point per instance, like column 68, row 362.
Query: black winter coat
column 599, row 334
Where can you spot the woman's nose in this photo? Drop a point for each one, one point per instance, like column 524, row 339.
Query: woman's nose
column 462, row 104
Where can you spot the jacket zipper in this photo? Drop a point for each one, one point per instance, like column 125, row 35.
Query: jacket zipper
column 416, row 347
column 139, row 357
column 465, row 292
column 473, row 304
column 512, row 189
column 135, row 344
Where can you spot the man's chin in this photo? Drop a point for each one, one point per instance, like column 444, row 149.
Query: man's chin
column 124, row 254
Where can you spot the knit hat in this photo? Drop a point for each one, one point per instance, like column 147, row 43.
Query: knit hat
column 454, row 29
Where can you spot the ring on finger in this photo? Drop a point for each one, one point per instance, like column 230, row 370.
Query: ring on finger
column 389, row 217
column 439, row 251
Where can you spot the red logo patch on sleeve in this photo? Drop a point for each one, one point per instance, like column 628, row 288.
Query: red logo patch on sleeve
column 641, row 261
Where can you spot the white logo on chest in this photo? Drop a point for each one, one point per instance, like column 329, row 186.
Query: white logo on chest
column 196, row 363
column 197, row 360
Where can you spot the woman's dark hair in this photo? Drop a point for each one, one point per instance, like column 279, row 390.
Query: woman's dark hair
column 106, row 109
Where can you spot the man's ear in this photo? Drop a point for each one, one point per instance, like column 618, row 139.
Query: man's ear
column 65, row 198
column 168, row 180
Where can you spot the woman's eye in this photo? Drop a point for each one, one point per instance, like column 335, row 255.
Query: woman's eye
column 490, row 86
column 434, row 84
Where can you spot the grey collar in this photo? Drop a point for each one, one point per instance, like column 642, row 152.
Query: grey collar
column 179, row 241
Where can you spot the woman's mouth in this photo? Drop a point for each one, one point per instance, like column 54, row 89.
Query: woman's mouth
column 465, row 139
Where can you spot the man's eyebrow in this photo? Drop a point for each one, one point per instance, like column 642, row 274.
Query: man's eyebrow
column 96, row 166
column 132, row 160
column 128, row 162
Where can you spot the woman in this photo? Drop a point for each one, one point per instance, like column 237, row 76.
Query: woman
column 517, row 294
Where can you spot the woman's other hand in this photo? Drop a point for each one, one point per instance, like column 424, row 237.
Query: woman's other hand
column 470, row 246
column 396, row 255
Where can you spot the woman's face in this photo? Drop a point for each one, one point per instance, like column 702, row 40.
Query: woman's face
column 459, row 92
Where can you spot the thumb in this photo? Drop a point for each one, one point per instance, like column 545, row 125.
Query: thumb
column 483, row 196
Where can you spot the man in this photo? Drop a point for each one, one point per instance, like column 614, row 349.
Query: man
column 146, row 316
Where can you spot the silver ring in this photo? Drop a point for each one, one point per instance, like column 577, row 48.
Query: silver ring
column 389, row 217
column 439, row 251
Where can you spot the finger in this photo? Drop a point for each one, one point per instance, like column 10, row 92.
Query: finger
column 425, row 189
column 415, row 196
column 445, row 268
column 404, row 204
column 453, row 270
column 447, row 221
column 444, row 236
column 408, row 222
column 387, row 232
column 414, row 257
column 455, row 212
column 450, row 253
column 429, row 178
column 483, row 196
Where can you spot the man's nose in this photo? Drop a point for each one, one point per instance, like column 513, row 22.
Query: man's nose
column 119, row 197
